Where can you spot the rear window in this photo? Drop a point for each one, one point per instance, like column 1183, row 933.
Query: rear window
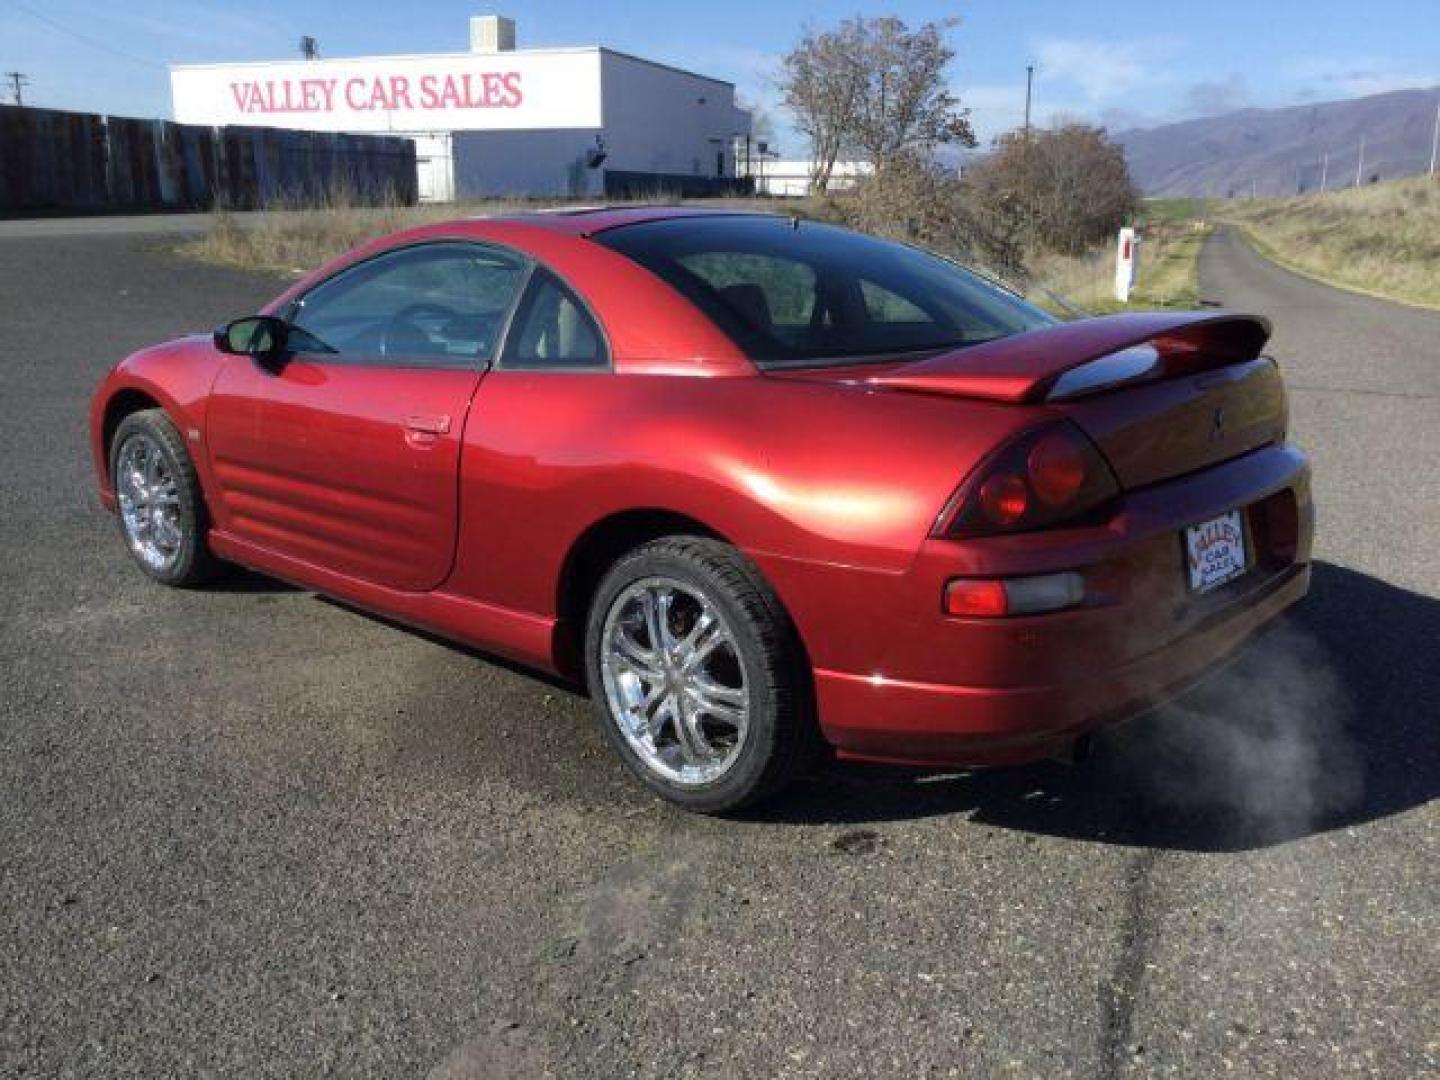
column 803, row 294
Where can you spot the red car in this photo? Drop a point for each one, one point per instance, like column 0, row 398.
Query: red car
column 764, row 484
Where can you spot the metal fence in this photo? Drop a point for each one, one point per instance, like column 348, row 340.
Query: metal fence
column 52, row 160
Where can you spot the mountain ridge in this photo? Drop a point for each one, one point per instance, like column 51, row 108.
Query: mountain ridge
column 1283, row 151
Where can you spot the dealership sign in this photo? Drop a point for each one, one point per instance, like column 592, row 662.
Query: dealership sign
column 490, row 91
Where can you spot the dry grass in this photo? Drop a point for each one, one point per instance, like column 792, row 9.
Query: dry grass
column 1169, row 259
column 293, row 241
column 1383, row 239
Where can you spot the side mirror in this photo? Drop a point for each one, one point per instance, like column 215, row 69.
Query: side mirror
column 255, row 335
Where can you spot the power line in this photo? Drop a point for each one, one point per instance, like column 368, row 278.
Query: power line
column 94, row 43
column 19, row 81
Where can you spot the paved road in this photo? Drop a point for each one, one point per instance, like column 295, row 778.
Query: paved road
column 248, row 832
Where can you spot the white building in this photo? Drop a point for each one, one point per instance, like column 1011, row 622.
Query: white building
column 496, row 120
column 792, row 177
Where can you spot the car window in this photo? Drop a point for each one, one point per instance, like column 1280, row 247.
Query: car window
column 435, row 305
column 552, row 329
column 795, row 294
column 769, row 293
column 882, row 305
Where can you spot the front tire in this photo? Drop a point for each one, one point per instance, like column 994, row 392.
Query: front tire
column 161, row 508
column 698, row 675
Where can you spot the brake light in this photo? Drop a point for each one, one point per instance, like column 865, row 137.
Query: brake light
column 1057, row 468
column 1004, row 498
column 1048, row 476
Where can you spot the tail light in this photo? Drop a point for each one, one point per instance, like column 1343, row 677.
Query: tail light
column 1050, row 475
column 990, row 598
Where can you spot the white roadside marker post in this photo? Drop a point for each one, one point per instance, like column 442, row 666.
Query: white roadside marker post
column 1127, row 263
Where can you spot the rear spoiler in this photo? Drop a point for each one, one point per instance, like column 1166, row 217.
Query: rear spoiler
column 1026, row 367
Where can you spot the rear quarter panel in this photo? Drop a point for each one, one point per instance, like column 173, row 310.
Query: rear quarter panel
column 793, row 473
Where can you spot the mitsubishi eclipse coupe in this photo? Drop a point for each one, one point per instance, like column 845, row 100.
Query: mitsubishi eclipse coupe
column 764, row 485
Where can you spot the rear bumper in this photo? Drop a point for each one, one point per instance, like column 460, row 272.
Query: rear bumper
column 897, row 680
column 934, row 723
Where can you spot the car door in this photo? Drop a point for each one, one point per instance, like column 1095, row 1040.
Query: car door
column 345, row 451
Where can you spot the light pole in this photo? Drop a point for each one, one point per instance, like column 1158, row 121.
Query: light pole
column 19, row 82
column 1029, row 82
column 1435, row 139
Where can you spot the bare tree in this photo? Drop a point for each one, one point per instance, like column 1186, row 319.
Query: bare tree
column 1065, row 188
column 821, row 82
column 876, row 86
column 906, row 106
column 912, row 199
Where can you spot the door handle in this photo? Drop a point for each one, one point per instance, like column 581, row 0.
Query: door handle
column 428, row 425
column 425, row 431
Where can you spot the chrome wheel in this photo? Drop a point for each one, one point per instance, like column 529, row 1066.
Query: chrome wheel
column 149, row 497
column 674, row 681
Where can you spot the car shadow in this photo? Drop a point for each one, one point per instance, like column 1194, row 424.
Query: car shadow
column 237, row 579
column 1327, row 721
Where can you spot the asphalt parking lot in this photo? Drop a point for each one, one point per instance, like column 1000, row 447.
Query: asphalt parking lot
column 249, row 832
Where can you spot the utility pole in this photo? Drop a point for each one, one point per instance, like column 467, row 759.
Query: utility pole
column 19, row 81
column 1029, row 82
column 1360, row 161
column 1435, row 139
column 1324, row 171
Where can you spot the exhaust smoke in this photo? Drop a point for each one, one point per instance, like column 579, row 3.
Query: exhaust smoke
column 1263, row 748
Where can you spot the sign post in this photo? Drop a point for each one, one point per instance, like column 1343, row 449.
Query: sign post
column 1127, row 263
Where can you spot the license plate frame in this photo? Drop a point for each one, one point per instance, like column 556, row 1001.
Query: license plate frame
column 1216, row 551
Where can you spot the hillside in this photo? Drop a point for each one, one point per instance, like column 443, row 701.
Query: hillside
column 1383, row 239
column 1278, row 152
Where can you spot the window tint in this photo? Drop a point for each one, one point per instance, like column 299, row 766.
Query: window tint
column 437, row 305
column 796, row 294
column 882, row 305
column 769, row 294
column 552, row 329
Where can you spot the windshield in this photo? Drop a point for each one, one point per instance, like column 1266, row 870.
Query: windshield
column 800, row 294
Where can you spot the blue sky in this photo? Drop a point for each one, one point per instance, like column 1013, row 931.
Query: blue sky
column 1113, row 61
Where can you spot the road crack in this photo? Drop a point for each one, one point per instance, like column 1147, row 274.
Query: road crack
column 1118, row 995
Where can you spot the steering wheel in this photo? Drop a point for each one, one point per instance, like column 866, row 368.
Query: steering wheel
column 403, row 335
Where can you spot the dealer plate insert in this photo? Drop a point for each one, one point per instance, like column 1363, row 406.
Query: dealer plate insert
column 1215, row 551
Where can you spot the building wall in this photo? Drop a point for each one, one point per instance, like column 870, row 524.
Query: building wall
column 434, row 166
column 526, row 90
column 544, row 164
column 792, row 178
column 662, row 120
column 529, row 137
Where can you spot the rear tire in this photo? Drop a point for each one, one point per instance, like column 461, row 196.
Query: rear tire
column 161, row 507
column 698, row 675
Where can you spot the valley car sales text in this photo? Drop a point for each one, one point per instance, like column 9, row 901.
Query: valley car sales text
column 380, row 93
